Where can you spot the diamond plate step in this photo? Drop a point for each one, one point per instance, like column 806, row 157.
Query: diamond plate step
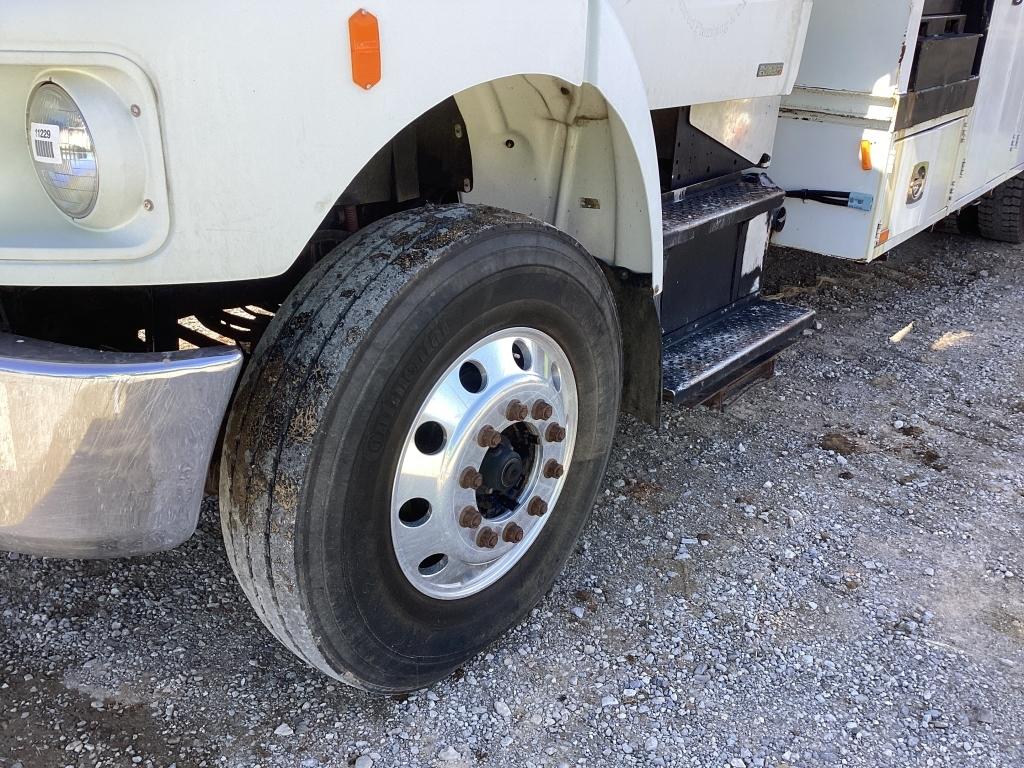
column 696, row 366
column 687, row 214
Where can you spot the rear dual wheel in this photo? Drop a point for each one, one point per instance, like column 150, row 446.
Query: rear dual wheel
column 417, row 442
column 1001, row 213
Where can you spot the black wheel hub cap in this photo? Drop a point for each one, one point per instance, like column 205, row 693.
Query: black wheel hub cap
column 506, row 469
column 502, row 468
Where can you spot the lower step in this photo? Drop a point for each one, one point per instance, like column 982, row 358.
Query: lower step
column 700, row 364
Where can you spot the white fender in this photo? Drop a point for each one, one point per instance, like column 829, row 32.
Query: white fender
column 262, row 126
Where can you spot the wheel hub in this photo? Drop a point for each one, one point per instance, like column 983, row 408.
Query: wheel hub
column 475, row 483
column 502, row 468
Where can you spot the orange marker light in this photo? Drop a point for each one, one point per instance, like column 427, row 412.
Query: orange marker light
column 364, row 38
column 865, row 156
column 883, row 237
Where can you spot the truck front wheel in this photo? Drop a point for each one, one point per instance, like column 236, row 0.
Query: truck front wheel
column 418, row 439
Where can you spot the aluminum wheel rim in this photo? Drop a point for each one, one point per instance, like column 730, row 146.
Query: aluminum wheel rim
column 440, row 553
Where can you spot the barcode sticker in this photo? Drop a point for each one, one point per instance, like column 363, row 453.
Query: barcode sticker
column 46, row 143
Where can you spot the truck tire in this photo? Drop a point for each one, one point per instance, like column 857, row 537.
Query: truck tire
column 1001, row 215
column 381, row 531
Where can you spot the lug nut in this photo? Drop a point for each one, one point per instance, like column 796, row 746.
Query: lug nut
column 470, row 478
column 489, row 437
column 537, row 507
column 487, row 538
column 470, row 518
column 553, row 469
column 516, row 411
column 555, row 433
column 542, row 410
column 513, row 534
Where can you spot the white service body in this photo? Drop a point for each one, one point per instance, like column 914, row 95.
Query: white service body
column 852, row 83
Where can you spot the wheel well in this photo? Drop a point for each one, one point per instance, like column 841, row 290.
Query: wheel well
column 533, row 144
column 536, row 145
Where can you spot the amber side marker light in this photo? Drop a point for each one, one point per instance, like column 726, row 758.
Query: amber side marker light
column 865, row 156
column 364, row 40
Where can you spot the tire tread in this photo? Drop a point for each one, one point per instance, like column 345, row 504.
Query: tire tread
column 1001, row 216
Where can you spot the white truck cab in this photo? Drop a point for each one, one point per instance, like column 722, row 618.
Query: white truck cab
column 386, row 274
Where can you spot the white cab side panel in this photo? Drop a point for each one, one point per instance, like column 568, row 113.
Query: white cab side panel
column 696, row 51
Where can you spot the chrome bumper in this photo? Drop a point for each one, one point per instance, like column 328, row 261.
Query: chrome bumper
column 105, row 454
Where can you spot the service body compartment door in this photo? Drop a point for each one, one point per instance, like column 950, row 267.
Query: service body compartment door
column 919, row 184
column 994, row 145
column 909, row 185
column 699, row 51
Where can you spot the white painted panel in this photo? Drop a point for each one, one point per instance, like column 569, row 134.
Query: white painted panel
column 754, row 248
column 993, row 143
column 860, row 45
column 938, row 149
column 814, row 154
column 695, row 51
column 746, row 126
column 261, row 123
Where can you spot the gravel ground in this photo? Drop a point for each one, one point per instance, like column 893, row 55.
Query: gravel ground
column 828, row 573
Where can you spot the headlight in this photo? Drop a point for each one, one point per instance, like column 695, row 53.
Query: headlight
column 63, row 151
